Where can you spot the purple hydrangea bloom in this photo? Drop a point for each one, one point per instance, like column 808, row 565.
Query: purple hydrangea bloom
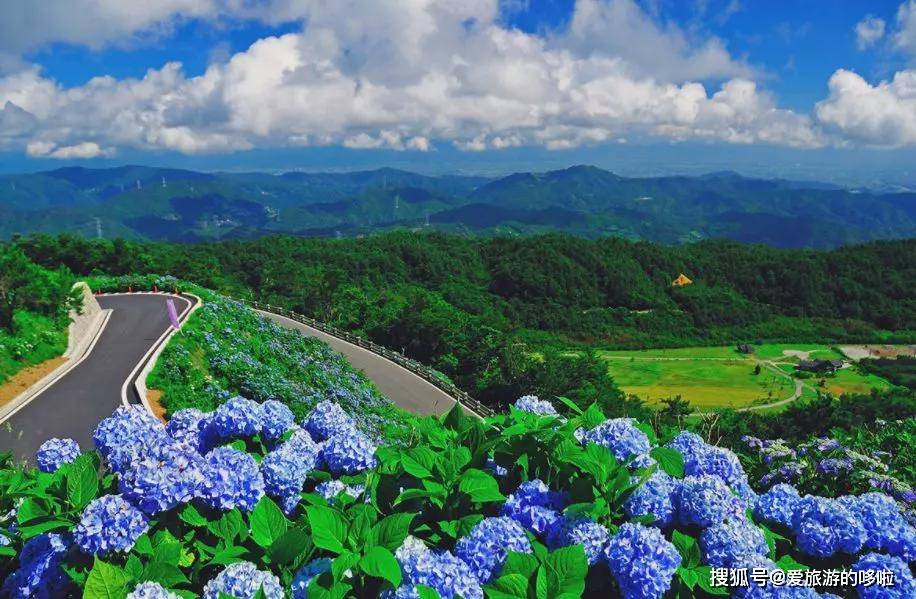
column 441, row 571
column 904, row 586
column 580, row 531
column 834, row 466
column 778, row 505
column 486, row 547
column 126, row 434
column 531, row 403
column 642, row 561
column 238, row 417
column 705, row 501
column 326, row 420
column 277, row 418
column 151, row 590
column 162, row 478
column 286, row 468
column 824, row 527
column 731, row 542
column 349, row 452
column 305, row 575
column 39, row 575
column 243, row 580
column 886, row 528
column 231, row 479
column 621, row 437
column 534, row 506
column 109, row 523
column 653, row 498
column 55, row 452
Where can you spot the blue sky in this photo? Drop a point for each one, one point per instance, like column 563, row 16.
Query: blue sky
column 791, row 88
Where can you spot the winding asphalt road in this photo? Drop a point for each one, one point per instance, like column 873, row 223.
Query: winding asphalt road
column 75, row 403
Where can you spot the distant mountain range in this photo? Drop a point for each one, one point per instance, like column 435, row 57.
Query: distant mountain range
column 179, row 205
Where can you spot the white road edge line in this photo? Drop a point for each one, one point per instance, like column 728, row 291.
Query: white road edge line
column 62, row 373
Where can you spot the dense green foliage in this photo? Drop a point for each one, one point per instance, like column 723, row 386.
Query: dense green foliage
column 900, row 370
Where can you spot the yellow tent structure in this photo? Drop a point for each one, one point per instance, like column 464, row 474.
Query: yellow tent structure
column 681, row 280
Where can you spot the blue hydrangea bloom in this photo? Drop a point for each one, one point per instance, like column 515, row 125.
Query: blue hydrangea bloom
column 726, row 544
column 189, row 427
column 642, row 561
column 151, row 590
column 55, row 452
column 231, row 479
column 704, row 501
column 285, row 469
column 824, row 527
column 531, row 403
column 702, row 459
column 653, row 498
column 332, row 488
column 109, row 523
column 277, row 418
column 580, row 531
column 300, row 585
column 126, row 434
column 886, row 528
column 242, row 580
column 534, row 506
column 485, row 548
column 39, row 575
column 439, row 570
column 768, row 590
column 778, row 505
column 164, row 477
column 326, row 420
column 621, row 437
column 238, row 417
column 349, row 452
column 904, row 586
column 495, row 469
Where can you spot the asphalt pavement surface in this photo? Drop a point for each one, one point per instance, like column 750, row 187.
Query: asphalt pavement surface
column 75, row 403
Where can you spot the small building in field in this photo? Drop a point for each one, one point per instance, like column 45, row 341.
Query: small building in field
column 744, row 348
column 681, row 281
column 820, row 366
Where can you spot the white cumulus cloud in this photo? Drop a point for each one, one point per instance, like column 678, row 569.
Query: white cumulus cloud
column 868, row 31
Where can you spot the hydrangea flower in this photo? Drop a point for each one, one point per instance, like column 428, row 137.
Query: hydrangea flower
column 39, row 575
column 109, row 523
column 886, row 528
column 164, row 477
column 485, row 548
column 126, row 434
column 702, row 459
column 731, row 542
column 349, row 452
column 277, row 418
column 834, row 466
column 285, row 469
column 704, row 501
column 495, row 469
column 824, row 526
column 580, row 531
column 531, row 403
column 439, row 570
column 768, row 590
column 904, row 586
column 231, row 479
column 238, row 417
column 189, row 427
column 534, row 506
column 55, row 452
column 151, row 590
column 642, row 561
column 305, row 575
column 621, row 437
column 778, row 505
column 332, row 488
column 242, row 580
column 653, row 498
column 326, row 420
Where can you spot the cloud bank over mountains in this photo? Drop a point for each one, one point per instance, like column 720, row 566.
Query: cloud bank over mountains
column 411, row 74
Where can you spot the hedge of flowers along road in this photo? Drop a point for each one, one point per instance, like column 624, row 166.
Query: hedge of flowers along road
column 250, row 501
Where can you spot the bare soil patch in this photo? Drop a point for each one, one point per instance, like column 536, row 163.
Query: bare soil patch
column 25, row 378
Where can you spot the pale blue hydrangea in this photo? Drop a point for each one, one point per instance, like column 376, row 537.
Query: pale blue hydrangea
column 238, row 417
column 231, row 480
column 886, row 528
column 163, row 477
column 534, row 506
column 653, row 498
column 824, row 527
column 731, row 542
column 285, row 468
column 642, row 561
column 440, row 570
column 151, row 590
column 580, row 531
column 621, row 437
column 495, row 469
column 349, row 452
column 277, row 418
column 326, row 420
column 305, row 575
column 126, row 434
column 485, row 548
column 55, row 452
column 242, row 580
column 904, row 586
column 39, row 575
column 705, row 501
column 531, row 403
column 778, row 505
column 332, row 488
column 109, row 524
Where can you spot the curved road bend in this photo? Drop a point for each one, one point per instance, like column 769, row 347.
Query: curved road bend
column 74, row 405
column 406, row 389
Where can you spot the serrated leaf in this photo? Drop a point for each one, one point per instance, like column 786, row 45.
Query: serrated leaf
column 82, row 481
column 168, row 575
column 670, row 460
column 566, row 571
column 329, row 529
column 267, row 522
column 391, row 531
column 508, row 586
column 381, row 563
column 289, row 546
column 688, row 548
column 106, row 581
column 704, row 579
column 191, row 516
column 344, row 562
column 480, row 486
